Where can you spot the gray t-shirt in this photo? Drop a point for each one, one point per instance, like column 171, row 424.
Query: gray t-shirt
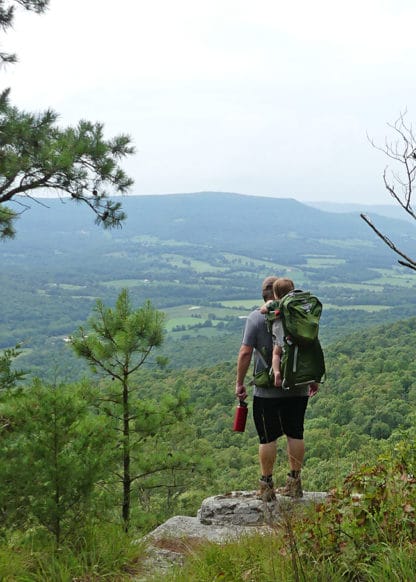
column 257, row 336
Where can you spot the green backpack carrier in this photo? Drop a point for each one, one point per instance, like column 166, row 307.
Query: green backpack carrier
column 302, row 358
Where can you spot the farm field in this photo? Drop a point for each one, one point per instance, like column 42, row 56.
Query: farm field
column 204, row 276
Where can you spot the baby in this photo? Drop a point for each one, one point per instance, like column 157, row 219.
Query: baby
column 281, row 287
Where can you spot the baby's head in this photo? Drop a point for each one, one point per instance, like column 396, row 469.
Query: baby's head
column 282, row 286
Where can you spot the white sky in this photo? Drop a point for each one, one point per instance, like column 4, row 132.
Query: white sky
column 268, row 97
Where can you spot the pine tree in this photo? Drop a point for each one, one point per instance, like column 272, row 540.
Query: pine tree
column 36, row 154
column 117, row 343
column 54, row 449
column 10, row 376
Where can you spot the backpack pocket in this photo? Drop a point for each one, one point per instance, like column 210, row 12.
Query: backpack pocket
column 302, row 364
column 263, row 379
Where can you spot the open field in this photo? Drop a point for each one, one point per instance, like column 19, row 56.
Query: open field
column 203, row 270
column 323, row 262
column 394, row 278
column 373, row 287
column 368, row 308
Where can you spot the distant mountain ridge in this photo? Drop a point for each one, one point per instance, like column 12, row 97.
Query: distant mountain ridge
column 389, row 210
column 225, row 221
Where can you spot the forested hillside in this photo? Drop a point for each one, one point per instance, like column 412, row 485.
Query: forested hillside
column 186, row 449
column 63, row 436
column 369, row 395
column 200, row 259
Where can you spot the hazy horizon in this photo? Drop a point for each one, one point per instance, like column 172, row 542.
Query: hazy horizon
column 272, row 99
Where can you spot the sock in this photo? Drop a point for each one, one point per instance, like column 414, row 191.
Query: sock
column 267, row 478
column 294, row 474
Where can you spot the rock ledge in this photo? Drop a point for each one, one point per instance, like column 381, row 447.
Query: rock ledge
column 221, row 518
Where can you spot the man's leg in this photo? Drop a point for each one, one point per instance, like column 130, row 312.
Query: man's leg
column 267, row 457
column 293, row 418
column 266, row 419
column 295, row 453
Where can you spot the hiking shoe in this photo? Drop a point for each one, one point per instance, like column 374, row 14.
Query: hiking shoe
column 266, row 491
column 293, row 488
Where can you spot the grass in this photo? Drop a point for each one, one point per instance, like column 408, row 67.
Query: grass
column 202, row 310
column 243, row 260
column 195, row 315
column 195, row 265
column 248, row 304
column 368, row 308
column 394, row 280
column 209, row 332
column 255, row 558
column 68, row 286
column 357, row 286
column 350, row 243
column 172, row 323
column 363, row 532
column 324, row 262
column 272, row 557
column 102, row 552
column 121, row 283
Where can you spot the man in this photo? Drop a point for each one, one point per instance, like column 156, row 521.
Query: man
column 276, row 411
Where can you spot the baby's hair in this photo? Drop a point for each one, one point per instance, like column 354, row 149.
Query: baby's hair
column 282, row 286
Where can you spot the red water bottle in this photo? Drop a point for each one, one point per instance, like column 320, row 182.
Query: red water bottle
column 240, row 417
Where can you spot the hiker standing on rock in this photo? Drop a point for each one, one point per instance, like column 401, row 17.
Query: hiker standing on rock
column 276, row 411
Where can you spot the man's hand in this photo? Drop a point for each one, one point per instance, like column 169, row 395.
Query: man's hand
column 313, row 388
column 240, row 391
column 243, row 363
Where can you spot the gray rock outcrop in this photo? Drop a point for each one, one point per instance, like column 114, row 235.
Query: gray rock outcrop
column 221, row 518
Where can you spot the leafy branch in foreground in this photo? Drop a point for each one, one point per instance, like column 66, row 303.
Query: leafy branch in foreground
column 399, row 184
column 37, row 154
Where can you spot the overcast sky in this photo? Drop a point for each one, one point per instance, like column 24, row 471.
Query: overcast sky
column 268, row 97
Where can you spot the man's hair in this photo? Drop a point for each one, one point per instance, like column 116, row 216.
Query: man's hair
column 267, row 288
column 282, row 286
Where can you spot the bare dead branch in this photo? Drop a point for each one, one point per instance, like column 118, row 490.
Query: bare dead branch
column 399, row 183
column 409, row 262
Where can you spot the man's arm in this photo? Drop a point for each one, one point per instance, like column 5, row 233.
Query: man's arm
column 243, row 364
column 277, row 351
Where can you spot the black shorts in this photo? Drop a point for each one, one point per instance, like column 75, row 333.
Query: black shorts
column 275, row 417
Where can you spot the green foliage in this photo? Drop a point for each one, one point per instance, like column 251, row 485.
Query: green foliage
column 178, row 458
column 54, row 449
column 9, row 377
column 117, row 344
column 37, row 153
column 58, row 276
column 364, row 531
column 95, row 551
column 373, row 510
column 118, row 341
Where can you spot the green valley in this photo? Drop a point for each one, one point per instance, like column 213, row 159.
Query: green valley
column 202, row 268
